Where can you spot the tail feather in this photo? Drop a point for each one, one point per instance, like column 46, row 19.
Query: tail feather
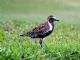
column 30, row 34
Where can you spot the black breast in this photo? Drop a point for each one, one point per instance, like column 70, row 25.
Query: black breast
column 45, row 35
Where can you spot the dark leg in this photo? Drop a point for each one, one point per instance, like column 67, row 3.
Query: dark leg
column 22, row 57
column 40, row 42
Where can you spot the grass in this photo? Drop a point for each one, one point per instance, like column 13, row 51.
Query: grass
column 17, row 17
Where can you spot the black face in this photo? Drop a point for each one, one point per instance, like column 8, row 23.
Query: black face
column 51, row 19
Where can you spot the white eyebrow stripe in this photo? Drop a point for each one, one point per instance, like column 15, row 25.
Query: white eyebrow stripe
column 53, row 17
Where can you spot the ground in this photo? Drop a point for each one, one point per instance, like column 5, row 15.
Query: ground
column 19, row 16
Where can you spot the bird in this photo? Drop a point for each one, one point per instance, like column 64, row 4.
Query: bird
column 42, row 30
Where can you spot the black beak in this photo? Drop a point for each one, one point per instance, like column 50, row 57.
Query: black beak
column 56, row 20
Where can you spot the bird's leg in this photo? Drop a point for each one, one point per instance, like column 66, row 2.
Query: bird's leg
column 40, row 42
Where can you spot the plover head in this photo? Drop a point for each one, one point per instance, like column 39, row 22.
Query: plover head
column 51, row 19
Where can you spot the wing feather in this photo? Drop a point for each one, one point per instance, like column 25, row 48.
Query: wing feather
column 41, row 29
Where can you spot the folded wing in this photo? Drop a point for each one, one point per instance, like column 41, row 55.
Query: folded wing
column 39, row 30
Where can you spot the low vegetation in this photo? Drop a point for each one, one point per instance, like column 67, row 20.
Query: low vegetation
column 62, row 44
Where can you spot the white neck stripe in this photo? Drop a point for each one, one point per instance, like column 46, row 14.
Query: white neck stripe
column 50, row 26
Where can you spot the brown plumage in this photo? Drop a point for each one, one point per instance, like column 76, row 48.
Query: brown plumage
column 42, row 30
column 41, row 27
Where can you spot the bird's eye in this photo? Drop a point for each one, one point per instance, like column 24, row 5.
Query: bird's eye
column 51, row 20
